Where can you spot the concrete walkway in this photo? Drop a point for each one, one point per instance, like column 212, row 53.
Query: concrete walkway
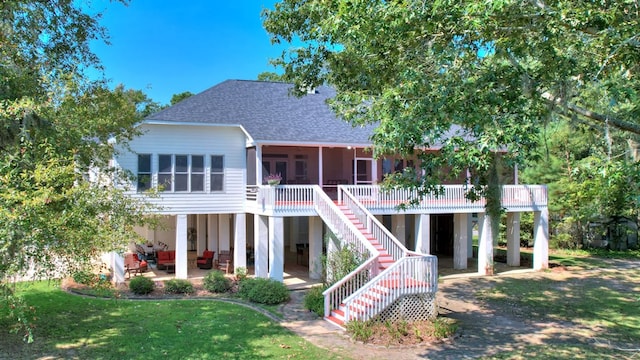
column 322, row 334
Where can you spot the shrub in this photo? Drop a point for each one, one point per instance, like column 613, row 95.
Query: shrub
column 241, row 273
column 84, row 277
column 141, row 285
column 178, row 286
column 314, row 300
column 360, row 330
column 263, row 291
column 216, row 282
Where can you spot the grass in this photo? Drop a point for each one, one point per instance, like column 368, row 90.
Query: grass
column 605, row 304
column 71, row 326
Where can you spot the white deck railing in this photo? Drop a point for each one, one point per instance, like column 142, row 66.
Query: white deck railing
column 291, row 199
column 379, row 232
column 348, row 234
column 453, row 198
column 409, row 275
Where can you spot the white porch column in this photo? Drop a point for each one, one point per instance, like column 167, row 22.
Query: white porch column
column 423, row 233
column 398, row 226
column 212, row 233
column 470, row 236
column 541, row 239
column 460, row 241
column 259, row 175
column 320, row 160
column 332, row 248
column 181, row 246
column 116, row 264
column 201, row 233
column 261, row 246
column 513, row 239
column 276, row 248
column 485, row 246
column 315, row 247
column 224, row 231
column 240, row 241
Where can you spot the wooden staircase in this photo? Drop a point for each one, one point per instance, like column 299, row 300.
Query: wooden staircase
column 377, row 295
column 391, row 283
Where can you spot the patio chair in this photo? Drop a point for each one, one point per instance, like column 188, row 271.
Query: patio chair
column 133, row 264
column 206, row 260
column 225, row 261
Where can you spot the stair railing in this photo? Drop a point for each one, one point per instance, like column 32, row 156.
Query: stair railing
column 395, row 248
column 349, row 234
column 409, row 275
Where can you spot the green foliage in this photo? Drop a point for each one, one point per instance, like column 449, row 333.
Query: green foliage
column 314, row 300
column 241, row 273
column 178, row 286
column 340, row 262
column 360, row 330
column 216, row 282
column 473, row 77
column 95, row 281
column 141, row 285
column 176, row 98
column 263, row 291
column 56, row 133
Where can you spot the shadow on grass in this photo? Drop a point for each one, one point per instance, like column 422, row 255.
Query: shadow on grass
column 70, row 326
column 594, row 315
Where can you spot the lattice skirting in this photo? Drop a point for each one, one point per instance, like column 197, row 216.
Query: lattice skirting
column 411, row 308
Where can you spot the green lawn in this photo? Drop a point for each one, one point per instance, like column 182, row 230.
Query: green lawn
column 71, row 326
column 604, row 304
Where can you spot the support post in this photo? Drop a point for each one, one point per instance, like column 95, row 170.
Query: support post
column 541, row 239
column 423, row 233
column 398, row 226
column 201, row 233
column 276, row 248
column 315, row 247
column 224, row 231
column 460, row 241
column 261, row 246
column 485, row 246
column 240, row 241
column 513, row 239
column 181, row 246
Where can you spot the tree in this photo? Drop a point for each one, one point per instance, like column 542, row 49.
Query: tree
column 176, row 98
column 58, row 208
column 474, row 78
column 271, row 76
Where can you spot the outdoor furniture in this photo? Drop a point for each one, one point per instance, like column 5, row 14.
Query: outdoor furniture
column 163, row 258
column 133, row 264
column 206, row 260
column 225, row 261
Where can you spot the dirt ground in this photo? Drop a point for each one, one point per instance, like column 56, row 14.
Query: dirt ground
column 486, row 329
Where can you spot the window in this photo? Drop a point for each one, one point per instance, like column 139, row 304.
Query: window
column 301, row 168
column 144, row 172
column 217, row 173
column 197, row 173
column 181, row 173
column 165, row 172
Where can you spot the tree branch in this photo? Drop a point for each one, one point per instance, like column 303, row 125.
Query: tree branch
column 620, row 124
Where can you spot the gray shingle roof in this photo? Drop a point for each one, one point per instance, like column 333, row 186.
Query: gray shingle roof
column 268, row 113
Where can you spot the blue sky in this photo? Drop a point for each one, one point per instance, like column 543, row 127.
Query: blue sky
column 168, row 47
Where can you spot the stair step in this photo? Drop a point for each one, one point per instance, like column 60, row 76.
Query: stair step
column 339, row 323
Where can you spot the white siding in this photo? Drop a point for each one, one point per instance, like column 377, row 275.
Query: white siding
column 193, row 140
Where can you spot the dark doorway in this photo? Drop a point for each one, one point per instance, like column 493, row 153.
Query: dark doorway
column 442, row 234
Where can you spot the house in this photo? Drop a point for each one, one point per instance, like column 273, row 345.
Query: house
column 210, row 153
